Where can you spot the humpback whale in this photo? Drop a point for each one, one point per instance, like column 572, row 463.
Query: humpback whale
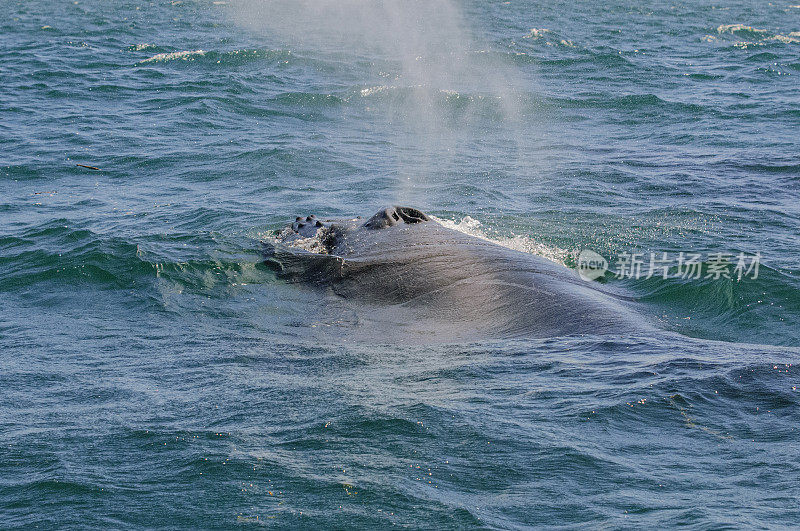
column 406, row 276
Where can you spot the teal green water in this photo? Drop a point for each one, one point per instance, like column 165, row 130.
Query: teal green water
column 153, row 373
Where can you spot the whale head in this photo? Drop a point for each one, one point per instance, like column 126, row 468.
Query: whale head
column 313, row 246
column 310, row 226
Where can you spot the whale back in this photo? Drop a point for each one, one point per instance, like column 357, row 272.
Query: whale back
column 453, row 282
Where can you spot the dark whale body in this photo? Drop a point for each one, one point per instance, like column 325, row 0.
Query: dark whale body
column 411, row 277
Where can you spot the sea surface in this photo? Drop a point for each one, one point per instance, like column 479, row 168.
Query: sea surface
column 154, row 373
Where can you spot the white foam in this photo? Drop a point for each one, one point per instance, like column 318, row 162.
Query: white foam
column 312, row 245
column 525, row 244
column 793, row 37
column 763, row 35
column 373, row 90
column 536, row 33
column 185, row 55
column 731, row 28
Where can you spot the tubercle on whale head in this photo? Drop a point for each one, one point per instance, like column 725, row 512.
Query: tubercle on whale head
column 307, row 227
column 329, row 232
column 395, row 215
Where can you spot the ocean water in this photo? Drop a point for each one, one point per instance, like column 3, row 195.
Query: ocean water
column 154, row 373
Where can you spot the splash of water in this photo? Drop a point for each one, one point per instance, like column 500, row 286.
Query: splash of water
column 525, row 244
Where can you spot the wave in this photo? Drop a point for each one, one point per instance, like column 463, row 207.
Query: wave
column 748, row 310
column 435, row 106
column 227, row 58
column 58, row 252
column 754, row 36
column 739, row 29
column 308, row 99
column 536, row 33
column 186, row 55
column 643, row 103
column 422, row 93
column 141, row 47
column 548, row 37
